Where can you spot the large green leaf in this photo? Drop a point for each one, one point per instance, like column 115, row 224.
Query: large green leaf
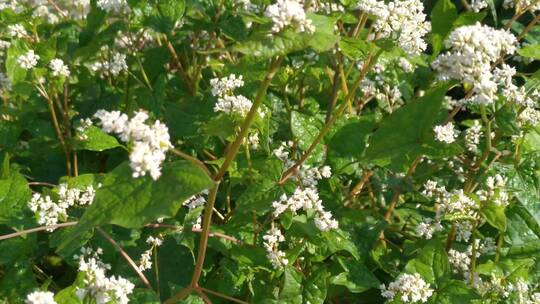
column 292, row 286
column 96, row 140
column 356, row 277
column 454, row 292
column 401, row 135
column 495, row 216
column 530, row 51
column 261, row 44
column 442, row 17
column 14, row 195
column 132, row 202
column 13, row 69
column 431, row 263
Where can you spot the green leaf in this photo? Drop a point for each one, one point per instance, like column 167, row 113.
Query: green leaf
column 261, row 44
column 14, row 196
column 132, row 202
column 401, row 135
column 530, row 51
column 324, row 37
column 305, row 128
column 454, row 292
column 13, row 69
column 96, row 140
column 431, row 263
column 356, row 276
column 469, row 18
column 494, row 215
column 356, row 49
column 315, row 286
column 350, row 139
column 292, row 285
column 443, row 16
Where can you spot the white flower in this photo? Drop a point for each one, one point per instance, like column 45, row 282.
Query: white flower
column 286, row 13
column 28, row 60
column 521, row 4
column 445, row 133
column 404, row 18
column 49, row 212
column 150, row 143
column 111, row 66
column 426, row 228
column 308, row 200
column 17, row 31
column 116, row 6
column 478, row 5
column 410, row 288
column 233, row 104
column 40, row 297
column 472, row 50
column 226, row 85
column 58, row 68
column 98, row 286
column 271, row 243
column 472, row 136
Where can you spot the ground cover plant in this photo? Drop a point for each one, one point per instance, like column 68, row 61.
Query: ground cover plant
column 288, row 151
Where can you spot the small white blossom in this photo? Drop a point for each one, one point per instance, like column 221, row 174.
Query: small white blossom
column 410, row 288
column 40, row 297
column 116, row 6
column 58, row 68
column 150, row 143
column 306, row 199
column 445, row 133
column 29, row 60
column 286, row 13
column 271, row 243
column 17, row 31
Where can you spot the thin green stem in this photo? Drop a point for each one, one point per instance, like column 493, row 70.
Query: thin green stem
column 291, row 171
column 235, row 146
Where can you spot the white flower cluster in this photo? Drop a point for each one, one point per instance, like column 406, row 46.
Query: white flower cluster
column 446, row 133
column 271, row 243
column 110, row 66
column 495, row 191
column 145, row 262
column 454, row 203
column 11, row 4
column 472, row 136
column 28, row 60
column 98, row 286
column 405, row 18
column 532, row 5
column 58, row 68
column 50, row 212
column 411, row 288
column 17, row 31
column 306, row 199
column 286, row 13
column 40, row 297
column 228, row 102
column 114, row 6
column 478, row 5
column 325, row 7
column 428, row 227
column 307, row 175
column 472, row 50
column 377, row 86
column 150, row 142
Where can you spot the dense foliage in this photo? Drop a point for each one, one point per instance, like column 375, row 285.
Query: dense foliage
column 288, row 151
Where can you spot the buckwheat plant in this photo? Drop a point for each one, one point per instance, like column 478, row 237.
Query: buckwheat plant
column 276, row 151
